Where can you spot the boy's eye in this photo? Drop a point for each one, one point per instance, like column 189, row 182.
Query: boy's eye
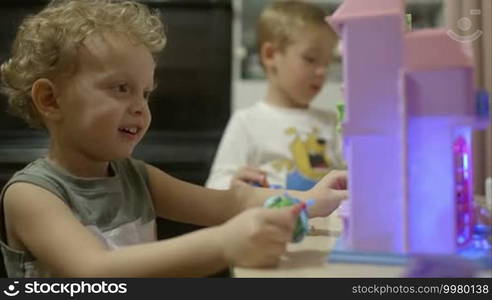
column 121, row 88
column 309, row 59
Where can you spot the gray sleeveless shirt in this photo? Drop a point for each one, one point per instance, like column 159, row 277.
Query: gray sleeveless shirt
column 117, row 209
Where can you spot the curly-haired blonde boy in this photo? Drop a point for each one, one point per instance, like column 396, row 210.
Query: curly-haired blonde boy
column 84, row 71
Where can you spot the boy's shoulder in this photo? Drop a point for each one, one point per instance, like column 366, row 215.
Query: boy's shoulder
column 36, row 167
column 253, row 109
column 36, row 173
column 255, row 113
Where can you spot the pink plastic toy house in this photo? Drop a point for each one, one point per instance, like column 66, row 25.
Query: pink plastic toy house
column 410, row 110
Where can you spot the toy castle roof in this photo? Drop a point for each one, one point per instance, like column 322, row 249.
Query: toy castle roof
column 354, row 9
column 432, row 49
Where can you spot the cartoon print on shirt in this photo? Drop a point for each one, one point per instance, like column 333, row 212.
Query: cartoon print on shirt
column 309, row 160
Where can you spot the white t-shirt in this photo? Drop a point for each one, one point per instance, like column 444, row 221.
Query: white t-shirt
column 296, row 147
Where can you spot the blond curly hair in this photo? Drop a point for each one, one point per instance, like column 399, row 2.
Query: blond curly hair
column 281, row 21
column 46, row 43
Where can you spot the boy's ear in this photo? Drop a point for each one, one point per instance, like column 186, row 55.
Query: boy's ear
column 268, row 51
column 44, row 99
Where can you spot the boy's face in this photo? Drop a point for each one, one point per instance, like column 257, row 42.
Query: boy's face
column 302, row 66
column 104, row 105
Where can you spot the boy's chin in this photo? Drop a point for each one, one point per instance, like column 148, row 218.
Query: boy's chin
column 123, row 154
column 303, row 103
column 304, row 100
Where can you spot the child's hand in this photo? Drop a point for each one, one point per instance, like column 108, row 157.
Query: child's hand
column 328, row 193
column 250, row 175
column 258, row 236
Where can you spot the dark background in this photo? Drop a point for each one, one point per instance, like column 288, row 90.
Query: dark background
column 190, row 107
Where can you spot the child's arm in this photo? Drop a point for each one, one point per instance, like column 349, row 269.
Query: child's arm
column 185, row 202
column 327, row 193
column 39, row 221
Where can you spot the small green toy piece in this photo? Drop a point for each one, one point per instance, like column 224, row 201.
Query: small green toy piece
column 408, row 18
column 302, row 225
column 340, row 116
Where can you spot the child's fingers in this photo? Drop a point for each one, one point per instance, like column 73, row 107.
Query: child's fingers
column 278, row 248
column 251, row 174
column 340, row 195
column 296, row 210
column 341, row 183
column 284, row 217
column 277, row 235
column 254, row 170
column 338, row 179
column 270, row 261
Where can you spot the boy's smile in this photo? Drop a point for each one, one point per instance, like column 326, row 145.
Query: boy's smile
column 130, row 132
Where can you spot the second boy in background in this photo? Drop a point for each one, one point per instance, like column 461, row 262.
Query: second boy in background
column 281, row 140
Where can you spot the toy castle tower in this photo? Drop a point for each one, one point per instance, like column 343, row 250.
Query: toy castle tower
column 410, row 110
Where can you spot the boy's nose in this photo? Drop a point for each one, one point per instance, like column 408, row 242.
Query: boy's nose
column 137, row 107
column 137, row 111
column 321, row 71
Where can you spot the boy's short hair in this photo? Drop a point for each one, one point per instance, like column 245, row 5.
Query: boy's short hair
column 46, row 44
column 281, row 21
